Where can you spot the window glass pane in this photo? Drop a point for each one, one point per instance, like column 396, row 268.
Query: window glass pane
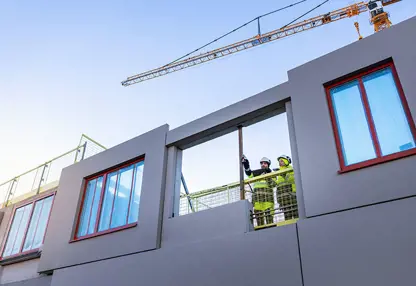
column 32, row 226
column 13, row 231
column 355, row 137
column 137, row 189
column 43, row 221
column 392, row 127
column 86, row 208
column 116, row 197
column 95, row 204
column 108, row 201
column 122, row 198
column 22, row 224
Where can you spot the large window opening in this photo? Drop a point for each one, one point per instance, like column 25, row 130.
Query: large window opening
column 268, row 171
column 211, row 172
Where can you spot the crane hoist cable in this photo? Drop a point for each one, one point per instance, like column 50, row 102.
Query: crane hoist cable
column 304, row 14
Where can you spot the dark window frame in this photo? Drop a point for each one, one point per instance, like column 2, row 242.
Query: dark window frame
column 33, row 201
column 379, row 157
column 103, row 174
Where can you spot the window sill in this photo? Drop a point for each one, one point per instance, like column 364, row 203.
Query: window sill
column 20, row 257
column 127, row 226
column 377, row 161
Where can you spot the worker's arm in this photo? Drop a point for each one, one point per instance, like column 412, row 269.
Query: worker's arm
column 246, row 165
column 258, row 172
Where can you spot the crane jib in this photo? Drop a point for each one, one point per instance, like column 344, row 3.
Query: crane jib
column 346, row 12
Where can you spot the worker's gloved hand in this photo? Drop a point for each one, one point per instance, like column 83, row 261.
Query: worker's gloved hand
column 245, row 162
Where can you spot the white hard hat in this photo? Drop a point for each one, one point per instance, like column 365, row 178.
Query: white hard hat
column 267, row 160
column 287, row 158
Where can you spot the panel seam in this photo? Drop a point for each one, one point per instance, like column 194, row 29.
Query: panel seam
column 300, row 256
column 362, row 206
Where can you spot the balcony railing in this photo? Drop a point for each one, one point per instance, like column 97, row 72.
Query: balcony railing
column 273, row 197
column 46, row 176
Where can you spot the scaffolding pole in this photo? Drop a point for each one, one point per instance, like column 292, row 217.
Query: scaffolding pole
column 185, row 187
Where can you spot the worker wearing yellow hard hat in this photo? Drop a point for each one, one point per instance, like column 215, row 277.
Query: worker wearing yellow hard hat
column 286, row 189
column 262, row 196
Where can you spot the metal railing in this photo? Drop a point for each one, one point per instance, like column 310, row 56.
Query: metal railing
column 274, row 205
column 46, row 176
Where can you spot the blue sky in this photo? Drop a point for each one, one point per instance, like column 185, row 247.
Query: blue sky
column 62, row 63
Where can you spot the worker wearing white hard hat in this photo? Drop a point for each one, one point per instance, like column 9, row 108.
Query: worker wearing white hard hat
column 262, row 197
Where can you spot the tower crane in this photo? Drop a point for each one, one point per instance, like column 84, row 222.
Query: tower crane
column 378, row 18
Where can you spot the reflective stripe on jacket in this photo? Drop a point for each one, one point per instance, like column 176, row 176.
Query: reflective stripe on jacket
column 262, row 189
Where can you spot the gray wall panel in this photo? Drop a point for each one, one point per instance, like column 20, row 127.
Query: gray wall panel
column 19, row 271
column 205, row 225
column 173, row 182
column 248, row 111
column 268, row 257
column 58, row 252
column 41, row 281
column 367, row 246
column 295, row 161
column 324, row 189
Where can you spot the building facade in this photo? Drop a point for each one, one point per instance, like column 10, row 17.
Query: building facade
column 114, row 220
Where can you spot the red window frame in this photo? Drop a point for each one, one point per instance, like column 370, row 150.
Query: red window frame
column 21, row 205
column 379, row 157
column 100, row 204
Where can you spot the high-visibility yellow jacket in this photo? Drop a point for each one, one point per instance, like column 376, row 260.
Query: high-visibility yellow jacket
column 288, row 177
column 262, row 189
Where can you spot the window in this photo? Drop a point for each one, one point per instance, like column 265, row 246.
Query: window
column 265, row 136
column 28, row 227
column 371, row 119
column 111, row 201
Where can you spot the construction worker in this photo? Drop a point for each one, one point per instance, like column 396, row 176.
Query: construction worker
column 262, row 197
column 286, row 189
